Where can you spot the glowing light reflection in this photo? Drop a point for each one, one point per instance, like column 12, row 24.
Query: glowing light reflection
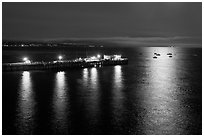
column 85, row 76
column 117, row 93
column 93, row 78
column 118, row 77
column 60, row 102
column 26, row 103
column 91, row 93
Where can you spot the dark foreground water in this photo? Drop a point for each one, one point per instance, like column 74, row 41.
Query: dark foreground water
column 148, row 96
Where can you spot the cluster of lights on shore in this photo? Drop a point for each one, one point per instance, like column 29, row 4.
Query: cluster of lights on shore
column 93, row 58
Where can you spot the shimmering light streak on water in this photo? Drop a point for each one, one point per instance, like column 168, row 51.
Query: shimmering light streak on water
column 26, row 103
column 85, row 76
column 160, row 98
column 118, row 96
column 92, row 95
column 118, row 78
column 60, row 103
column 94, row 78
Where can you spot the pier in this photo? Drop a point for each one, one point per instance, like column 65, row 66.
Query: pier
column 66, row 64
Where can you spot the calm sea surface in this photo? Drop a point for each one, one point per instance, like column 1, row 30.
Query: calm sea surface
column 147, row 96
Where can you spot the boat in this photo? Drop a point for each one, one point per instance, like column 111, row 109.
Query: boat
column 169, row 53
column 158, row 54
column 170, row 56
column 155, row 57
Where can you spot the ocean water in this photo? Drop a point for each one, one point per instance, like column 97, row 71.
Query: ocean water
column 147, row 96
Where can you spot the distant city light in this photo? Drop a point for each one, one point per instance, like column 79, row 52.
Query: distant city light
column 98, row 56
column 60, row 57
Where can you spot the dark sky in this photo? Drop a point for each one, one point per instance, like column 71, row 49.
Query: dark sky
column 40, row 21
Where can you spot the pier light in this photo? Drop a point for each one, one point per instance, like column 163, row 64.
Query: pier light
column 98, row 56
column 117, row 57
column 26, row 60
column 60, row 57
column 80, row 59
column 106, row 57
column 93, row 57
